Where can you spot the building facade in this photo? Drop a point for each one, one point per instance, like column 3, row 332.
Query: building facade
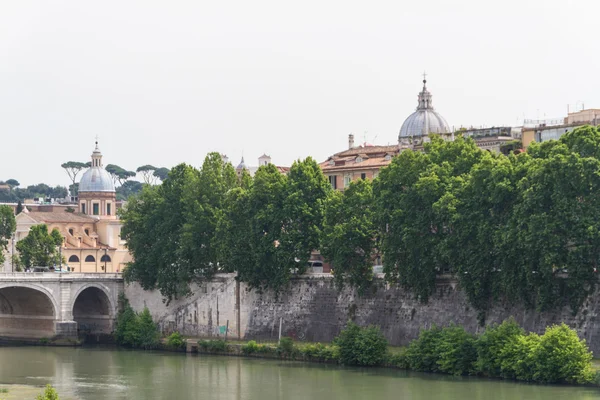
column 91, row 234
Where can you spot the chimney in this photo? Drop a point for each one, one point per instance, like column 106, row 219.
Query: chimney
column 351, row 141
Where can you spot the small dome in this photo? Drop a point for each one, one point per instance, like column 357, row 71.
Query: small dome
column 96, row 179
column 422, row 123
column 425, row 120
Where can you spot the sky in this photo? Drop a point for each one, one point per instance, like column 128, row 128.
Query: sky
column 165, row 82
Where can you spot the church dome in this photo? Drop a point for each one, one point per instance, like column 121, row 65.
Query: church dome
column 96, row 179
column 425, row 120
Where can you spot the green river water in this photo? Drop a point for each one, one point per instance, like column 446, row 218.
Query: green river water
column 107, row 373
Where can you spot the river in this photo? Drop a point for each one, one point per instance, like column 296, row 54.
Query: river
column 108, row 373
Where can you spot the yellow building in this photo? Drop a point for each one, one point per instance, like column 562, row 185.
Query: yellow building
column 92, row 241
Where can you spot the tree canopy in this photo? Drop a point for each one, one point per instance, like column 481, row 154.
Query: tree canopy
column 521, row 227
column 40, row 247
column 73, row 168
column 170, row 228
column 7, row 228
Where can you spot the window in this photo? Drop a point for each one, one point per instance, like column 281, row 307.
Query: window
column 358, row 159
column 347, row 180
column 87, row 232
column 363, row 176
column 388, row 157
column 105, row 258
column 74, row 258
column 95, row 209
column 333, row 181
column 83, row 208
column 108, row 209
column 90, row 259
column 71, row 231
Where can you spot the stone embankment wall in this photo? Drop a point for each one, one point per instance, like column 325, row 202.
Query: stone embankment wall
column 313, row 310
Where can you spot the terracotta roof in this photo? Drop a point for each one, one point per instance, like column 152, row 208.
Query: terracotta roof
column 60, row 216
column 368, row 150
column 372, row 157
column 375, row 162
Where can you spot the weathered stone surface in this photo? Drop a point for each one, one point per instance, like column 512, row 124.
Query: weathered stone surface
column 312, row 309
column 36, row 305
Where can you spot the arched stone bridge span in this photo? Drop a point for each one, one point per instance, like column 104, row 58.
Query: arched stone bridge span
column 38, row 305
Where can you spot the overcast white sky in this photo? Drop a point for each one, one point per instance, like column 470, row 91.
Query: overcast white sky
column 166, row 82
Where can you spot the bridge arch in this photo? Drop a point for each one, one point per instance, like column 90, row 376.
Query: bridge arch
column 93, row 309
column 27, row 311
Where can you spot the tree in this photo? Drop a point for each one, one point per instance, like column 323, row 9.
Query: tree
column 73, row 168
column 147, row 172
column 19, row 208
column 349, row 233
column 74, row 189
column 7, row 228
column 170, row 228
column 251, row 232
column 161, row 173
column 411, row 203
column 304, row 198
column 129, row 188
column 40, row 247
column 119, row 175
column 13, row 183
column 554, row 224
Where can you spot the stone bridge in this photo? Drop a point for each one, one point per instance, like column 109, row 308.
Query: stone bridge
column 57, row 305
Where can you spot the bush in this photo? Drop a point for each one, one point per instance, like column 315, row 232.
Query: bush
column 135, row 330
column 457, row 351
column 422, row 353
column 321, row 352
column 49, row 394
column 561, row 357
column 175, row 340
column 214, row 346
column 250, row 348
column 361, row 346
column 516, row 361
column 491, row 343
column 398, row 360
column 286, row 347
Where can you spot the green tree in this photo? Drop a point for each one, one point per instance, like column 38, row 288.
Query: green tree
column 411, row 208
column 268, row 265
column 147, row 172
column 40, row 247
column 13, row 183
column 19, row 208
column 170, row 228
column 7, row 228
column 349, row 234
column 303, row 206
column 162, row 173
column 73, row 168
column 119, row 175
column 557, row 238
column 127, row 189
